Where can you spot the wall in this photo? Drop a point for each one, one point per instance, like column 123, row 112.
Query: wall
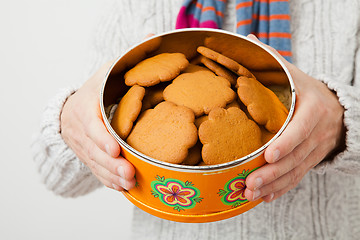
column 44, row 45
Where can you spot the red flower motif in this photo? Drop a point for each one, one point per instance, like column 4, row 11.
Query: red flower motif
column 173, row 193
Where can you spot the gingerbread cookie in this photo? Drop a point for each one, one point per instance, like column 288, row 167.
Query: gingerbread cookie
column 233, row 104
column 127, row 111
column 160, row 68
column 219, row 70
column 266, row 135
column 153, row 96
column 194, row 155
column 200, row 120
column 225, row 61
column 200, row 91
column 164, row 133
column 262, row 104
column 195, row 68
column 228, row 135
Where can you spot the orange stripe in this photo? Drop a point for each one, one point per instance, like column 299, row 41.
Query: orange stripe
column 244, row 4
column 285, row 53
column 212, row 9
column 272, row 17
column 243, row 22
column 273, row 35
column 279, row 35
column 199, row 5
column 222, row 1
column 208, row 9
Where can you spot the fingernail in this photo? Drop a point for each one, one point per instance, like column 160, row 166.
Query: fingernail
column 121, row 171
column 256, row 194
column 115, row 187
column 107, row 148
column 258, row 182
column 271, row 196
column 276, row 155
column 123, row 183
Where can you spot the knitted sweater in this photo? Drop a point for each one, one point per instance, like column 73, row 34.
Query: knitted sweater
column 325, row 205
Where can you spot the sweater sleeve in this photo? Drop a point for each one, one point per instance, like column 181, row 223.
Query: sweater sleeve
column 347, row 161
column 60, row 170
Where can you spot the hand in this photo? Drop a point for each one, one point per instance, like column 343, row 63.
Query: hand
column 84, row 132
column 315, row 130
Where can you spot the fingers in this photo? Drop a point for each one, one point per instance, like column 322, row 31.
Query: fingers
column 98, row 133
column 111, row 180
column 274, row 171
column 299, row 129
column 117, row 171
column 288, row 181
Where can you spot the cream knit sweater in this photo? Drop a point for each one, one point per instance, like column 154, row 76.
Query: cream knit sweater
column 325, row 205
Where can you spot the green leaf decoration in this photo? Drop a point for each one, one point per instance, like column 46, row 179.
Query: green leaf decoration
column 222, row 192
column 187, row 183
column 198, row 199
column 178, row 208
column 154, row 194
column 161, row 179
column 244, row 173
column 137, row 184
column 237, row 204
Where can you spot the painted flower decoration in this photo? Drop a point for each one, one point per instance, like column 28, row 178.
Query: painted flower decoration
column 234, row 190
column 175, row 193
column 237, row 190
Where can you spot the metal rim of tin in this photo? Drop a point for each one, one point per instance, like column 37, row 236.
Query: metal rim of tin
column 187, row 168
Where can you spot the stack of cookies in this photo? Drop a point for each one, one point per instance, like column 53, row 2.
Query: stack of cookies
column 208, row 111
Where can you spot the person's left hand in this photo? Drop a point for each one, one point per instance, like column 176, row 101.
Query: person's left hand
column 315, row 130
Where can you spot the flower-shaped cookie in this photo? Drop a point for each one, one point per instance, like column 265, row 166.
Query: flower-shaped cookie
column 262, row 104
column 200, row 91
column 160, row 68
column 127, row 111
column 228, row 135
column 164, row 133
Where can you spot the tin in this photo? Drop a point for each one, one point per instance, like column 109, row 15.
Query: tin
column 191, row 193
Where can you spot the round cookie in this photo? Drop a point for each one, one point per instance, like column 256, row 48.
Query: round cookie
column 200, row 91
column 127, row 111
column 164, row 133
column 262, row 104
column 228, row 135
column 160, row 68
column 225, row 61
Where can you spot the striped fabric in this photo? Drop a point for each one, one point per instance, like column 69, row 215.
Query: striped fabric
column 269, row 20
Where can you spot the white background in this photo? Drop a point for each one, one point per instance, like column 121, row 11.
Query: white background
column 43, row 47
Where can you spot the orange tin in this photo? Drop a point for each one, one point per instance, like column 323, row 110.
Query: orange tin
column 190, row 193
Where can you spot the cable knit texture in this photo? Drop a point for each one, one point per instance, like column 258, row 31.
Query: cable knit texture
column 326, row 39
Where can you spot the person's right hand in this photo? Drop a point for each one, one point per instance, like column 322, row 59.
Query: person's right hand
column 83, row 130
